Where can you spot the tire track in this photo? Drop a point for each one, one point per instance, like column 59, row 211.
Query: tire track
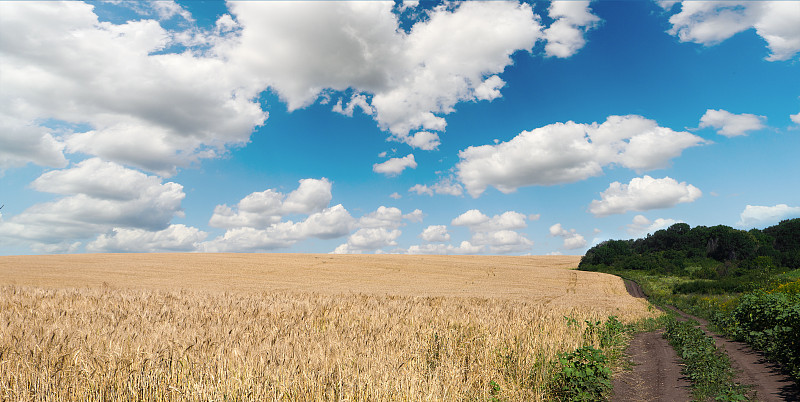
column 654, row 365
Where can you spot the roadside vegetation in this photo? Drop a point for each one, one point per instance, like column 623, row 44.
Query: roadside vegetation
column 746, row 283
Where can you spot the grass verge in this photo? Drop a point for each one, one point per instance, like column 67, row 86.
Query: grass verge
column 708, row 368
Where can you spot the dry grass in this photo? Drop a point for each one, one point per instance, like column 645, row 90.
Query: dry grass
column 294, row 327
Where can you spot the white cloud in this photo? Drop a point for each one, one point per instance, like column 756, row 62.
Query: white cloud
column 572, row 240
column 99, row 196
column 368, row 239
column 471, row 218
column 329, row 223
column 357, row 100
column 373, row 238
column 312, row 195
column 421, row 189
column 642, row 226
column 447, row 186
column 756, row 215
column 795, row 118
column 435, row 233
column 257, row 222
column 410, row 80
column 261, row 209
column 454, row 57
column 395, row 166
column 496, row 233
column 572, row 19
column 464, row 248
column 23, row 142
column 502, row 241
column 395, row 196
column 175, row 238
column 162, row 9
column 477, row 221
column 377, row 230
column 731, row 125
column 568, row 152
column 443, row 186
column 642, row 194
column 415, row 216
column 423, row 140
column 154, row 111
column 386, row 217
column 711, row 22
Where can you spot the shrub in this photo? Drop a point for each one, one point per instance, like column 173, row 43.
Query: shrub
column 583, row 375
column 771, row 322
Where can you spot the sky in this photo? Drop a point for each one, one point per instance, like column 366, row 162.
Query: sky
column 392, row 127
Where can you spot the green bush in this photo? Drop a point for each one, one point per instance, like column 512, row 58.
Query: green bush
column 583, row 376
column 770, row 322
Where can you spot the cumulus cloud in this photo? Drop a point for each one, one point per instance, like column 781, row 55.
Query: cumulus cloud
column 388, row 217
column 435, row 234
column 497, row 234
column 572, row 239
column 257, row 222
column 377, row 230
column 443, row 186
column 395, row 166
column 329, row 223
column 476, row 221
column 368, row 239
column 175, row 238
column 98, row 196
column 137, row 107
column 795, row 118
column 502, row 241
column 465, row 247
column 711, row 22
column 128, row 97
column 643, row 194
column 572, row 19
column 568, row 152
column 421, row 189
column 23, row 142
column 357, row 100
column 261, row 209
column 494, row 235
column 423, row 140
column 641, row 225
column 409, row 81
column 731, row 125
column 756, row 215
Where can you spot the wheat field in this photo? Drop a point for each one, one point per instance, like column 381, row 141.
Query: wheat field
column 216, row 327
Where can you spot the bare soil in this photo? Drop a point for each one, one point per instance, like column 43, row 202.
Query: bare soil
column 656, row 374
column 656, row 364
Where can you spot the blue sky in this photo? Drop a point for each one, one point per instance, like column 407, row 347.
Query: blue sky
column 392, row 127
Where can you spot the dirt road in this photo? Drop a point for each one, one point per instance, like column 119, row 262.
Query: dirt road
column 656, row 374
column 656, row 364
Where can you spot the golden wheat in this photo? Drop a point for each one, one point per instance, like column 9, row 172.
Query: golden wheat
column 129, row 343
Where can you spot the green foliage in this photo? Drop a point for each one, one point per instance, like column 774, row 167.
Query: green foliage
column 494, row 391
column 707, row 367
column 680, row 247
column 583, row 376
column 740, row 280
column 770, row 322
